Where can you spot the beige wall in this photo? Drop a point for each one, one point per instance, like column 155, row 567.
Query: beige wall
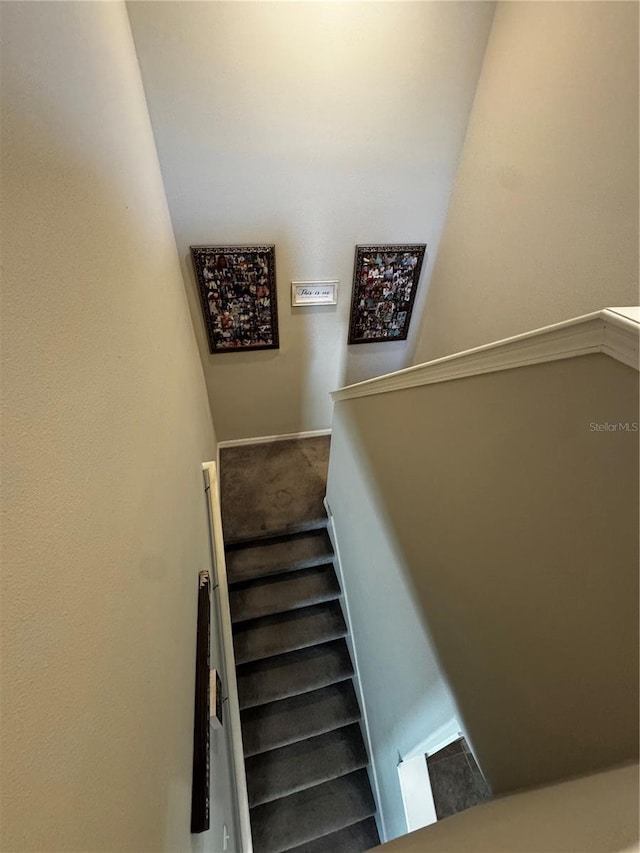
column 595, row 814
column 543, row 221
column 314, row 126
column 105, row 424
column 516, row 526
column 405, row 694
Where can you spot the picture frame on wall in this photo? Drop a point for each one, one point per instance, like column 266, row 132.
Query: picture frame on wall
column 237, row 287
column 385, row 281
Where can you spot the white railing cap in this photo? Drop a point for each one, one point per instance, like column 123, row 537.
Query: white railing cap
column 612, row 331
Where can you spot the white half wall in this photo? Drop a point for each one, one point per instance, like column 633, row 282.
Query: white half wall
column 491, row 522
column 405, row 695
column 314, row 126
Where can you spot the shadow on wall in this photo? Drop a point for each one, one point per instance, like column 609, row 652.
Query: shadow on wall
column 406, row 697
column 514, row 528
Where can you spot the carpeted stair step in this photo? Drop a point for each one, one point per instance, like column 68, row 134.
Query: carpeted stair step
column 309, row 714
column 301, row 765
column 318, row 521
column 281, row 554
column 357, row 838
column 278, row 593
column 309, row 814
column 297, row 629
column 292, row 674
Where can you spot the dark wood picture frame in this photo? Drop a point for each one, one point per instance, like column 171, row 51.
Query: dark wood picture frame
column 237, row 286
column 385, row 281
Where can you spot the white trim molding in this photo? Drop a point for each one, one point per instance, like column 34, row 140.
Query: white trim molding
column 612, row 331
column 417, row 796
column 266, row 439
column 350, row 641
column 437, row 740
column 226, row 637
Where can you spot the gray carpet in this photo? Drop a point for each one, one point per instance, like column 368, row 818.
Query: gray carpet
column 315, row 712
column 278, row 593
column 353, row 839
column 312, row 813
column 287, row 675
column 305, row 757
column 279, row 554
column 289, row 498
column 305, row 763
column 286, row 632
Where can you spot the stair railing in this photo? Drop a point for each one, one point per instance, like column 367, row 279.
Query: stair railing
column 230, row 700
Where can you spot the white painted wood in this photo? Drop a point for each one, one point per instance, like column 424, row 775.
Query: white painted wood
column 417, row 796
column 373, row 776
column 620, row 338
column 265, row 439
column 437, row 740
column 612, row 331
column 413, row 771
column 232, row 704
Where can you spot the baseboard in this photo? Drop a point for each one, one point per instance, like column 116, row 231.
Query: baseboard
column 266, row 439
column 373, row 776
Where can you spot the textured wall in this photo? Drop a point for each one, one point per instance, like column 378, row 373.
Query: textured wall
column 543, row 220
column 314, row 126
column 406, row 696
column 595, row 814
column 514, row 526
column 105, row 424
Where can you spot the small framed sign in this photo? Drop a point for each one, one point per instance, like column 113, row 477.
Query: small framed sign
column 314, row 293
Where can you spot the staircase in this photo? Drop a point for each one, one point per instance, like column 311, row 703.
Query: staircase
column 305, row 759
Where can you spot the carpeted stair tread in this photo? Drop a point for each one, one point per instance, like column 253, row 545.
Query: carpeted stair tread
column 293, row 673
column 301, row 765
column 277, row 555
column 357, row 838
column 309, row 714
column 279, row 593
column 309, row 814
column 318, row 522
column 297, row 629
